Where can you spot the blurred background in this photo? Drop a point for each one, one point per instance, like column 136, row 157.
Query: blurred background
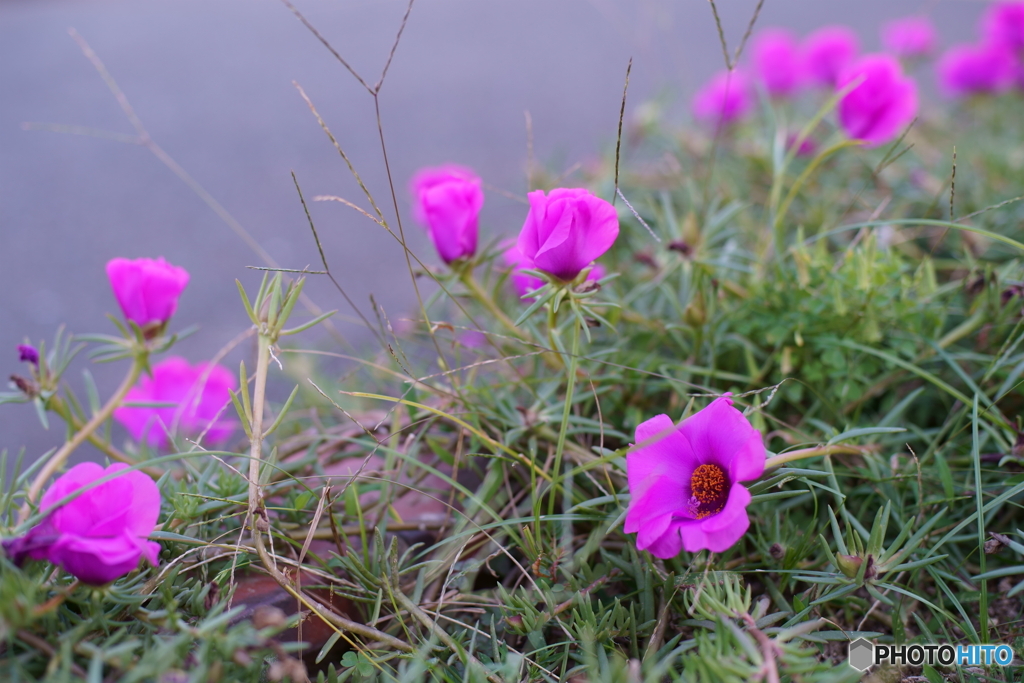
column 212, row 81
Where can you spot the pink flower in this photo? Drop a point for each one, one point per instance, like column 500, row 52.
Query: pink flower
column 146, row 289
column 909, row 36
column 827, row 51
column 524, row 283
column 1003, row 24
column 882, row 104
column 197, row 395
column 566, row 230
column 100, row 535
column 778, row 62
column 723, row 99
column 684, row 484
column 448, row 200
column 975, row 69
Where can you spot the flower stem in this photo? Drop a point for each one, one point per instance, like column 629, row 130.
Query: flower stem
column 488, row 302
column 803, row 453
column 62, row 409
column 256, row 430
column 556, row 474
column 258, row 517
column 60, row 457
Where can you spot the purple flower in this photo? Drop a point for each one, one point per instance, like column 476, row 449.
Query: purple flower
column 566, row 230
column 28, row 354
column 197, row 395
column 684, row 484
column 448, row 200
column 723, row 99
column 909, row 36
column 1003, row 24
column 523, row 283
column 146, row 289
column 883, row 102
column 827, row 51
column 976, row 69
column 100, row 535
column 778, row 62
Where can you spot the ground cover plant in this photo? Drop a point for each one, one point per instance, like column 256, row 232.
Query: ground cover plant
column 743, row 392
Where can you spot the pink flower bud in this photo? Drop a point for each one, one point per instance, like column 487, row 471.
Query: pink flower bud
column 976, row 69
column 447, row 200
column 198, row 398
column 28, row 354
column 723, row 99
column 828, row 51
column 909, row 36
column 146, row 289
column 684, row 480
column 566, row 230
column 882, row 104
column 100, row 535
column 778, row 62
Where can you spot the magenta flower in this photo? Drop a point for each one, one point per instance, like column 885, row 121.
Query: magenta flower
column 100, row 535
column 447, row 200
column 523, row 283
column 882, row 104
column 28, row 354
column 723, row 99
column 909, row 37
column 1003, row 24
column 146, row 289
column 566, row 230
column 827, row 51
column 778, row 62
column 976, row 69
column 196, row 396
column 684, row 480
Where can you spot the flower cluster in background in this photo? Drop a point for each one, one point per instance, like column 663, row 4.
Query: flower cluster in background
column 878, row 98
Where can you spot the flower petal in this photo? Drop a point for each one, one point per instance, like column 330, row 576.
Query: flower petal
column 667, row 455
column 720, row 433
column 96, row 561
column 668, row 545
column 662, row 499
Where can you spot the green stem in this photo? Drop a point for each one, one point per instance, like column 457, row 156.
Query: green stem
column 256, row 430
column 62, row 409
column 556, row 474
column 487, row 302
column 804, row 453
column 553, row 337
column 60, row 457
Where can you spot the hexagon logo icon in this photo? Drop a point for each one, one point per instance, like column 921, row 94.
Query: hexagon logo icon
column 862, row 654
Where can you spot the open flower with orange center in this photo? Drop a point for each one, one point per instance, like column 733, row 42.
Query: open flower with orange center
column 684, row 480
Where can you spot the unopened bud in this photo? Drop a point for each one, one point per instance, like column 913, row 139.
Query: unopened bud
column 849, row 564
column 28, row 354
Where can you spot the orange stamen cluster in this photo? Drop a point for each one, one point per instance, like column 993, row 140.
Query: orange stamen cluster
column 708, row 486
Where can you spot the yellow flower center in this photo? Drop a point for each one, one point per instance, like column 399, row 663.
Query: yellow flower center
column 709, row 490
